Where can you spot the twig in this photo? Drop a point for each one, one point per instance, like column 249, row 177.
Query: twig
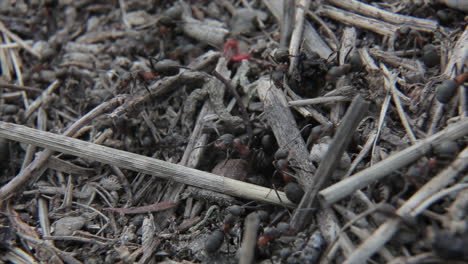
column 312, row 40
column 458, row 57
column 20, row 87
column 287, row 26
column 243, row 110
column 18, row 40
column 359, row 180
column 329, row 225
column 390, row 83
column 318, row 100
column 38, row 102
column 296, row 38
column 439, row 110
column 326, row 28
column 368, row 10
column 251, row 225
column 429, row 201
column 371, row 24
column 392, row 59
column 367, row 146
column 355, row 113
column 285, row 129
column 134, row 162
column 388, row 229
column 25, row 175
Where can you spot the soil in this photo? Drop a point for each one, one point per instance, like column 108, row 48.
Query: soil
column 233, row 88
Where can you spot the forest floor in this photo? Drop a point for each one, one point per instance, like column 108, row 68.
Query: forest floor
column 139, row 131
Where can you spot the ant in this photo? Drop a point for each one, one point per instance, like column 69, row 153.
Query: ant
column 272, row 233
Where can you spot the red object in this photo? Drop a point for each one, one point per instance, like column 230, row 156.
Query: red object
column 147, row 76
column 263, row 240
column 231, row 51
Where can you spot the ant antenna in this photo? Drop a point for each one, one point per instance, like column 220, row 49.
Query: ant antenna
column 302, row 129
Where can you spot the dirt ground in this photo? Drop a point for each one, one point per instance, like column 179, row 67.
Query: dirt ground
column 271, row 131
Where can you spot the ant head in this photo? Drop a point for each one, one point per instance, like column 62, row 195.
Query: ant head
column 224, row 142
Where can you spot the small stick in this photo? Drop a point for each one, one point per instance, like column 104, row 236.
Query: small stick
column 132, row 161
column 390, row 227
column 422, row 24
column 458, row 57
column 284, row 127
column 318, row 100
column 38, row 102
column 296, row 38
column 7, row 190
column 429, row 201
column 390, row 83
column 325, row 27
column 252, row 223
column 20, row 87
column 18, row 40
column 287, row 26
column 312, row 40
column 242, row 108
column 351, row 120
column 347, row 186
column 439, row 111
column 394, row 60
column 371, row 24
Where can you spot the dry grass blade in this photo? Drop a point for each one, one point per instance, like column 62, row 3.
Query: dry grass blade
column 388, row 229
column 347, row 186
column 140, row 163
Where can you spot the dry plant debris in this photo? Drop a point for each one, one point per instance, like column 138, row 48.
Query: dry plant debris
column 138, row 131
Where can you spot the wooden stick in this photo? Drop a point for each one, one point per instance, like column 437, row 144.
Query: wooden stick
column 312, row 40
column 296, row 38
column 284, row 127
column 19, row 87
column 18, row 40
column 318, row 100
column 422, row 24
column 405, row 157
column 252, row 223
column 389, row 228
column 353, row 116
column 139, row 163
column 458, row 57
column 374, row 25
column 7, row 190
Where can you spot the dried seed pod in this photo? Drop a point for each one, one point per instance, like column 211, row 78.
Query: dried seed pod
column 446, row 90
column 294, row 192
column 430, row 56
column 214, row 241
column 447, row 149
